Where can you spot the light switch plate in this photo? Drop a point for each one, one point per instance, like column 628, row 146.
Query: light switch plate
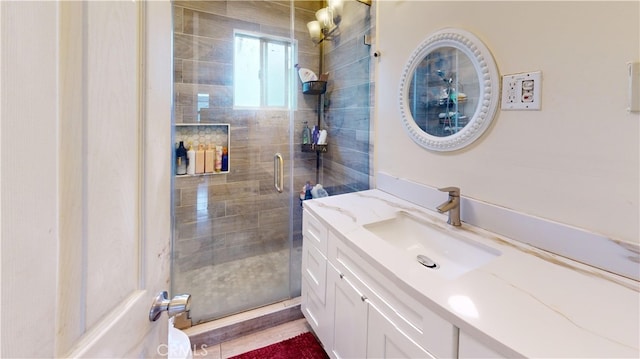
column 522, row 91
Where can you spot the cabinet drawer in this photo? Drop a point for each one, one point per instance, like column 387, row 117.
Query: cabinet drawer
column 314, row 269
column 314, row 231
column 419, row 323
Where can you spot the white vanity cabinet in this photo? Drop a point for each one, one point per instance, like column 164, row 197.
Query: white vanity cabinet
column 364, row 314
column 366, row 295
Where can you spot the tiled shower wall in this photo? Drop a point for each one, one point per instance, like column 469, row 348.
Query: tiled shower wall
column 225, row 217
column 347, row 165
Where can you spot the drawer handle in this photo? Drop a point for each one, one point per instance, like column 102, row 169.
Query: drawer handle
column 363, row 298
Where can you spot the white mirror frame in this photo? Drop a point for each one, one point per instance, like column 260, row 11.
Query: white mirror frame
column 489, row 81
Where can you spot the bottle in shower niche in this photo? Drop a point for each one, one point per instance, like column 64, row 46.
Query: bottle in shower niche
column 218, row 158
column 306, row 134
column 191, row 160
column 225, row 160
column 209, row 159
column 200, row 159
column 181, row 159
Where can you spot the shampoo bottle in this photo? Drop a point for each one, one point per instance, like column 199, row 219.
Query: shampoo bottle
column 181, row 159
column 322, row 137
column 315, row 134
column 209, row 159
column 218, row 162
column 225, row 159
column 200, row 159
column 306, row 134
column 305, row 74
column 191, row 160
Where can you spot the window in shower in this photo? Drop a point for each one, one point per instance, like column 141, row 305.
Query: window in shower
column 261, row 71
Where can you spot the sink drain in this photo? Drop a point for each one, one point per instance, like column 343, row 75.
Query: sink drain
column 427, row 262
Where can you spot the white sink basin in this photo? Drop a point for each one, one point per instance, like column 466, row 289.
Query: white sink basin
column 452, row 253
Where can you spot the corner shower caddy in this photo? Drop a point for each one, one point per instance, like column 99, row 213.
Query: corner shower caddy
column 315, row 88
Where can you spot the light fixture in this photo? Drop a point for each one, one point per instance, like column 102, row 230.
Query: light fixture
column 326, row 23
column 325, row 17
column 336, row 7
column 315, row 31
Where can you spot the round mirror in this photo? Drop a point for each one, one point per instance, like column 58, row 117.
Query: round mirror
column 449, row 91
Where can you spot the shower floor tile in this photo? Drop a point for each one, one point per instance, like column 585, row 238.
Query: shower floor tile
column 223, row 289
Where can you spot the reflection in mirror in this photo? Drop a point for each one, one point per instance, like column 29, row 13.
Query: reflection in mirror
column 449, row 91
column 203, row 102
column 443, row 92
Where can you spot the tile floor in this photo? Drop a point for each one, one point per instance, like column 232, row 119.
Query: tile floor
column 219, row 290
column 253, row 341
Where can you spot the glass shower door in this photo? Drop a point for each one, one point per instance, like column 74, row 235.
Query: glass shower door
column 236, row 241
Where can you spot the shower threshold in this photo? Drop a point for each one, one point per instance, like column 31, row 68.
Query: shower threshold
column 238, row 325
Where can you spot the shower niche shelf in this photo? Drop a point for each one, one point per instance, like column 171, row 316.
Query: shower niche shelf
column 216, row 134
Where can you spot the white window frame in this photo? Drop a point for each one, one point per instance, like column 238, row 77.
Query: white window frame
column 289, row 88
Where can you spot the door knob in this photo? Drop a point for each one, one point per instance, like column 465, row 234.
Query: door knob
column 179, row 304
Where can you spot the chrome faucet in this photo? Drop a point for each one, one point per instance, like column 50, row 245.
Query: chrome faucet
column 452, row 205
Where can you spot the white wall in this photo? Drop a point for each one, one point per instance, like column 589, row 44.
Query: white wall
column 577, row 160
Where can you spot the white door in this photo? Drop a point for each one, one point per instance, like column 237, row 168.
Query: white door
column 85, row 175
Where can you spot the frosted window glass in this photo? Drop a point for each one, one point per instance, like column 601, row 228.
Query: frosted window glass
column 246, row 75
column 276, row 75
column 262, row 67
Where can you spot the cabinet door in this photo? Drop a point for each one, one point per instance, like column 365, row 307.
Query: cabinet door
column 385, row 340
column 470, row 348
column 350, row 318
column 317, row 315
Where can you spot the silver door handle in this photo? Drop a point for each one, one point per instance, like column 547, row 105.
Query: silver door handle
column 179, row 304
column 278, row 172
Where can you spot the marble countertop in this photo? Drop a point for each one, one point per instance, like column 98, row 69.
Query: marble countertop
column 525, row 302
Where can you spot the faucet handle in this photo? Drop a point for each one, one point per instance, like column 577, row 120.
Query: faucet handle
column 453, row 191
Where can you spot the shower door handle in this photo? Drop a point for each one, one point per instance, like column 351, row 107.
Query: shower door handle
column 278, row 172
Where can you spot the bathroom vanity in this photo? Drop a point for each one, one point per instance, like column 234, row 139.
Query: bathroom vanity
column 365, row 294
